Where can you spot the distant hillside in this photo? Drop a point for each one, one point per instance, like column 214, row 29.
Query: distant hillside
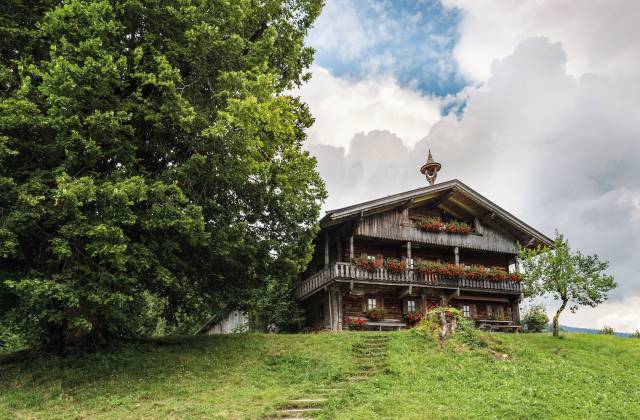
column 254, row 375
column 586, row 330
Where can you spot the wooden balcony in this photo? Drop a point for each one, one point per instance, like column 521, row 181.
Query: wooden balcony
column 347, row 272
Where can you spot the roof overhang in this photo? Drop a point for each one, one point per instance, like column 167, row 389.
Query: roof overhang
column 452, row 196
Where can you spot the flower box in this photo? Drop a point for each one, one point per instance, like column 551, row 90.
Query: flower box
column 433, row 224
column 452, row 271
column 375, row 314
column 367, row 264
column 413, row 317
column 395, row 265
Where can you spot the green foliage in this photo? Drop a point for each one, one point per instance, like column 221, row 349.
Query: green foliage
column 535, row 318
column 274, row 310
column 635, row 334
column 150, row 162
column 569, row 277
column 467, row 333
column 250, row 375
column 431, row 324
column 606, row 331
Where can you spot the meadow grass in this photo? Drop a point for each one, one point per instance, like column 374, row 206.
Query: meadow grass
column 250, row 375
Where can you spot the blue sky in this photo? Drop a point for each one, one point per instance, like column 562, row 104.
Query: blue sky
column 411, row 40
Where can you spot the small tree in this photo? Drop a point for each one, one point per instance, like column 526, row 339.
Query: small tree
column 636, row 334
column 535, row 319
column 607, row 331
column 572, row 278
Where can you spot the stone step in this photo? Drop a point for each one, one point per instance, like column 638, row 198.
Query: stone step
column 369, row 349
column 306, row 402
column 371, row 352
column 329, row 390
column 299, row 410
column 369, row 363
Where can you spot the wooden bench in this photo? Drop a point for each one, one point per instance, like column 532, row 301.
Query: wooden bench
column 497, row 325
column 384, row 324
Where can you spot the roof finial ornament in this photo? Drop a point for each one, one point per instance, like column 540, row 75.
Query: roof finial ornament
column 430, row 169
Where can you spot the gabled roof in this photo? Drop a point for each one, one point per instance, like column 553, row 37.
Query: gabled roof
column 454, row 190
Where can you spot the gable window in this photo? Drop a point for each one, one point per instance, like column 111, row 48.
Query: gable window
column 372, row 303
column 466, row 311
column 371, row 257
column 411, row 306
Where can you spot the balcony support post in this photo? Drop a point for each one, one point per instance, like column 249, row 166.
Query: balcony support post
column 351, row 253
column 515, row 311
column 335, row 308
column 409, row 263
column 326, row 249
column 456, row 255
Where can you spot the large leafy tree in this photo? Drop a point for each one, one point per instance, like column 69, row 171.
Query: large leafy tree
column 150, row 161
column 571, row 278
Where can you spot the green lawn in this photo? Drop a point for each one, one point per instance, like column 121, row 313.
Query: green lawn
column 247, row 376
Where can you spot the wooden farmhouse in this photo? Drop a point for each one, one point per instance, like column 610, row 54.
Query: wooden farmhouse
column 382, row 263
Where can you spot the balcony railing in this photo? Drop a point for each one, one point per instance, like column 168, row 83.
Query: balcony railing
column 348, row 271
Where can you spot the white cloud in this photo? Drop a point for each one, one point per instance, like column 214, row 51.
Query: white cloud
column 598, row 36
column 552, row 132
column 340, row 30
column 343, row 107
column 556, row 150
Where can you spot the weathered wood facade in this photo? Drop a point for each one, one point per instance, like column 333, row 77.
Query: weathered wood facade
column 334, row 290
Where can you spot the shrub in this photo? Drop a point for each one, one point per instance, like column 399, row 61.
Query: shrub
column 535, row 319
column 606, row 330
column 467, row 333
column 431, row 323
column 635, row 334
column 356, row 324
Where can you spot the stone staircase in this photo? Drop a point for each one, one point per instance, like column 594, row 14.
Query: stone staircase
column 370, row 355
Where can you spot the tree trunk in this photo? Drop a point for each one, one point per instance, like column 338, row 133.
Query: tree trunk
column 556, row 329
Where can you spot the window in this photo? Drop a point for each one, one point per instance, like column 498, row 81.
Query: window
column 372, row 303
column 371, row 257
column 466, row 311
column 411, row 305
column 410, row 263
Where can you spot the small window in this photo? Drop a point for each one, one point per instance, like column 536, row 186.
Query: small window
column 466, row 311
column 372, row 303
column 411, row 306
column 371, row 257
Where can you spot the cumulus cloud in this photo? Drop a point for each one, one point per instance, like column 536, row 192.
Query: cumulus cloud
column 554, row 149
column 343, row 107
column 340, row 30
column 598, row 36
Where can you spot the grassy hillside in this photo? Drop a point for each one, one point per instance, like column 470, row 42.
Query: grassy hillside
column 249, row 376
